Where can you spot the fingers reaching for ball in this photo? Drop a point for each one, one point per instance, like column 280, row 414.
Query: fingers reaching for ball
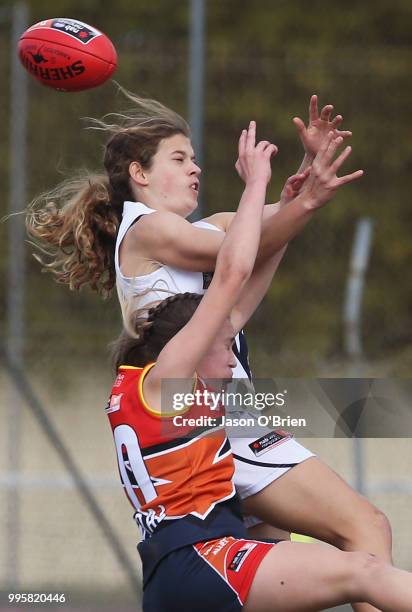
column 254, row 159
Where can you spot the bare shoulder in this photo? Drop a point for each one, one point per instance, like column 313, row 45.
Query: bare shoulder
column 157, row 226
column 170, row 239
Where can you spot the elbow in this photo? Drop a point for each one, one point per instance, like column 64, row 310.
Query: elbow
column 233, row 274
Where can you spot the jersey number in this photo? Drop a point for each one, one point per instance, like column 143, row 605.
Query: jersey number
column 125, row 436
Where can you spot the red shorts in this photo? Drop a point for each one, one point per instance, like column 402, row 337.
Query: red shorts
column 236, row 561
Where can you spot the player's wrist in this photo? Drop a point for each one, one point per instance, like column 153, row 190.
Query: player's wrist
column 257, row 179
column 309, row 156
column 307, row 202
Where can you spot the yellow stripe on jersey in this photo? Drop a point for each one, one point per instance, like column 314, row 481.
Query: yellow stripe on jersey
column 150, row 409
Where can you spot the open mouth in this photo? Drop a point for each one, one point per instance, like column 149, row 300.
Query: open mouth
column 195, row 187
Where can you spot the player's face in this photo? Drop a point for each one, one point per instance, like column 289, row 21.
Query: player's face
column 173, row 178
column 220, row 359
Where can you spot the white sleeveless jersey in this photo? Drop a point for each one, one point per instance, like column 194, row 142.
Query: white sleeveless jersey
column 164, row 281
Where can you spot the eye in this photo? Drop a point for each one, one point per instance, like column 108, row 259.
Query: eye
column 179, row 159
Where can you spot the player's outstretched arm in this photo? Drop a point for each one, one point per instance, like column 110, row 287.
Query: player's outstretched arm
column 234, row 266
column 314, row 134
column 323, row 182
column 317, row 186
column 172, row 240
column 264, row 270
column 278, row 230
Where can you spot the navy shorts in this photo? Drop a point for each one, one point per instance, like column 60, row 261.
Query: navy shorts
column 212, row 575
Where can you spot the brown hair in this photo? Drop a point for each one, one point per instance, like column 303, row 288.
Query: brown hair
column 75, row 225
column 153, row 330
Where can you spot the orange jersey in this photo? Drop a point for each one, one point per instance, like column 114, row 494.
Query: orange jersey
column 167, row 473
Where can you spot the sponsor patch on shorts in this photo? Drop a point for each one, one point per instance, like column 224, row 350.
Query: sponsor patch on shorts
column 234, row 560
column 266, row 442
column 239, row 558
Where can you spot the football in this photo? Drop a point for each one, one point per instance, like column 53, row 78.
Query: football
column 67, row 55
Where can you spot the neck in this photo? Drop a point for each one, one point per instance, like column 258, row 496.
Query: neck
column 155, row 204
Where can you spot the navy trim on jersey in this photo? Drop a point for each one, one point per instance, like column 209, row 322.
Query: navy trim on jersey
column 178, row 441
column 132, row 223
column 207, row 279
column 242, row 354
column 225, row 448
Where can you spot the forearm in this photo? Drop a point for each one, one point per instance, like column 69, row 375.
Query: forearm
column 255, row 290
column 279, row 228
column 272, row 209
column 306, row 162
column 242, row 239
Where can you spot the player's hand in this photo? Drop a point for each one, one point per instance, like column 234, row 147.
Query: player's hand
column 322, row 182
column 253, row 161
column 319, row 126
column 293, row 186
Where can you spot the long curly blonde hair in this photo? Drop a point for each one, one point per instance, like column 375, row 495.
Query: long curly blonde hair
column 74, row 226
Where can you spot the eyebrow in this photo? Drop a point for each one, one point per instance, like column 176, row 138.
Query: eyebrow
column 183, row 153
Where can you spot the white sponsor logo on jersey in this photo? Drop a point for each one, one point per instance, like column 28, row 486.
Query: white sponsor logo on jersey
column 114, row 403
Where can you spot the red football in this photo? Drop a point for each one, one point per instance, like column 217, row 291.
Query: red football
column 67, row 54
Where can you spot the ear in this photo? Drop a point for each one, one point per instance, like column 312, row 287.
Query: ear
column 137, row 174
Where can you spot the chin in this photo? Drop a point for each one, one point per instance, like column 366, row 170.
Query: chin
column 189, row 208
column 192, row 207
column 214, row 383
column 226, row 381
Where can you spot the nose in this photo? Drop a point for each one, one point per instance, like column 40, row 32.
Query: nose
column 195, row 169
